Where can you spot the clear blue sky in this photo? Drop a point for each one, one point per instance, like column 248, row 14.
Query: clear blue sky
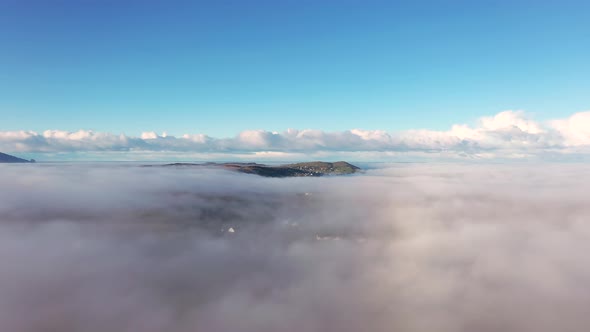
column 219, row 67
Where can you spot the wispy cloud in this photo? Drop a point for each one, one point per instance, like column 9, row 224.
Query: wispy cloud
column 508, row 134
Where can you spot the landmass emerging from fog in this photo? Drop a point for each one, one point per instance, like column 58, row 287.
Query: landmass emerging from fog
column 6, row 158
column 315, row 168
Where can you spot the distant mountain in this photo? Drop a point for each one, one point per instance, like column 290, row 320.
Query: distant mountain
column 6, row 158
column 316, row 168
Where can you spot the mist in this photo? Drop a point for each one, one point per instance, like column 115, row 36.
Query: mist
column 405, row 247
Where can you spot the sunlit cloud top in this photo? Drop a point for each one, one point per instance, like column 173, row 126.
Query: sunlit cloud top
column 508, row 134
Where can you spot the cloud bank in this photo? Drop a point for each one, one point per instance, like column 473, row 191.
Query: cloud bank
column 427, row 247
column 509, row 134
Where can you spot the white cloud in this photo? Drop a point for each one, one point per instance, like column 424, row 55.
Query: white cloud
column 149, row 135
column 508, row 134
column 510, row 120
column 575, row 130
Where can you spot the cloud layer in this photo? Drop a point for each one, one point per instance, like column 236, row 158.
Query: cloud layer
column 408, row 248
column 509, row 134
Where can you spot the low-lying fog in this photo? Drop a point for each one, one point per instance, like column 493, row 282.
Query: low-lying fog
column 414, row 247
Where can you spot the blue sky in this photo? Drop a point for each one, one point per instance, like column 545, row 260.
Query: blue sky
column 221, row 67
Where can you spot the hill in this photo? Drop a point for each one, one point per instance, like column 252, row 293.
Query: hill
column 316, row 168
column 6, row 158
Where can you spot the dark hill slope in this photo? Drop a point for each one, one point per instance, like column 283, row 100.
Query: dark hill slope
column 6, row 158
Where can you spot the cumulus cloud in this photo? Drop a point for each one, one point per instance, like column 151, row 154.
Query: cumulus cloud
column 410, row 247
column 507, row 134
column 575, row 129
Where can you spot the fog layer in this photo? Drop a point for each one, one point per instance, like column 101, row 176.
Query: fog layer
column 415, row 247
